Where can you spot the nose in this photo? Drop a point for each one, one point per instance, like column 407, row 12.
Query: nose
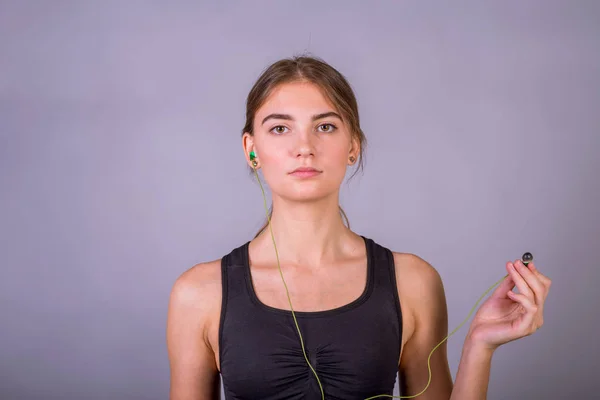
column 304, row 146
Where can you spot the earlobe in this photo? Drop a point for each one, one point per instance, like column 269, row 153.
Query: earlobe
column 352, row 157
column 354, row 149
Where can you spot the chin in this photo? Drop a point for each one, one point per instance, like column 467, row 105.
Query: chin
column 308, row 190
column 307, row 194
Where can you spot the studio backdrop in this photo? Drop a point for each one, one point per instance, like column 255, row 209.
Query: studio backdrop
column 121, row 166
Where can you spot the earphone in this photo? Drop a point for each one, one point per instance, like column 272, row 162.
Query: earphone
column 526, row 259
column 252, row 156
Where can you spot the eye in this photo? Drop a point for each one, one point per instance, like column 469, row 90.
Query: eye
column 279, row 129
column 328, row 128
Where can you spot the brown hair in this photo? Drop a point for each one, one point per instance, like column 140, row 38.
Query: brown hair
column 314, row 70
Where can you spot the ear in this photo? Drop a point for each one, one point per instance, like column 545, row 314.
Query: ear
column 248, row 145
column 354, row 151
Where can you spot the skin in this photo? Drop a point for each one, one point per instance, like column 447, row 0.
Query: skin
column 324, row 266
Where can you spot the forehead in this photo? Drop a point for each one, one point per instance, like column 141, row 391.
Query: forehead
column 296, row 98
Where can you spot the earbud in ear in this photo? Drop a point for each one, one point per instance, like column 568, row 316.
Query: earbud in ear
column 253, row 158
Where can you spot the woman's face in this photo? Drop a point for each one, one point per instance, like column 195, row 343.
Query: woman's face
column 298, row 128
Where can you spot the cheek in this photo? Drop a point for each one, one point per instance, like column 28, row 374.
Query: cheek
column 274, row 164
column 275, row 159
column 269, row 151
column 336, row 165
column 337, row 158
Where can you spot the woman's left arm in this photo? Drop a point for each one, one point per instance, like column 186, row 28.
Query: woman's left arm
column 473, row 375
column 505, row 316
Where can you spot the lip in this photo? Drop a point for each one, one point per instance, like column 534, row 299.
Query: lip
column 305, row 172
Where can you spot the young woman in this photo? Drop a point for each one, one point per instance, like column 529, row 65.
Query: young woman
column 361, row 312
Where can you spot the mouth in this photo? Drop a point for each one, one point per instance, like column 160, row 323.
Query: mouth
column 305, row 169
column 305, row 172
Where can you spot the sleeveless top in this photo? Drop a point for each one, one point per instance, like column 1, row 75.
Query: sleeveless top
column 354, row 348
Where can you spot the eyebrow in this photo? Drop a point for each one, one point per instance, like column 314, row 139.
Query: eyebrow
column 290, row 118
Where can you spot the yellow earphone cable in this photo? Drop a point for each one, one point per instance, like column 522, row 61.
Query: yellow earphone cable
column 300, row 334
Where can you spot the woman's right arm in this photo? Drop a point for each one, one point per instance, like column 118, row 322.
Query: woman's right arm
column 194, row 308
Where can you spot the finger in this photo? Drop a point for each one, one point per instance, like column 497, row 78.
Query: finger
column 504, row 286
column 525, row 324
column 545, row 280
column 533, row 281
column 520, row 282
column 525, row 301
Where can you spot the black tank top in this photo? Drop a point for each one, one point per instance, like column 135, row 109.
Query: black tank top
column 353, row 348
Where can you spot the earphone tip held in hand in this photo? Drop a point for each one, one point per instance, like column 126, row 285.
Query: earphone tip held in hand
column 527, row 258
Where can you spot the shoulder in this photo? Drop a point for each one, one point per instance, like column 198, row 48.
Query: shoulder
column 201, row 281
column 419, row 274
column 421, row 291
column 196, row 293
column 193, row 316
column 423, row 302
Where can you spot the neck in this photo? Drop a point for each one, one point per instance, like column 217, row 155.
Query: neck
column 309, row 233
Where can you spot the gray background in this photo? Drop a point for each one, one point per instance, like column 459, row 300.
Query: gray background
column 121, row 166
